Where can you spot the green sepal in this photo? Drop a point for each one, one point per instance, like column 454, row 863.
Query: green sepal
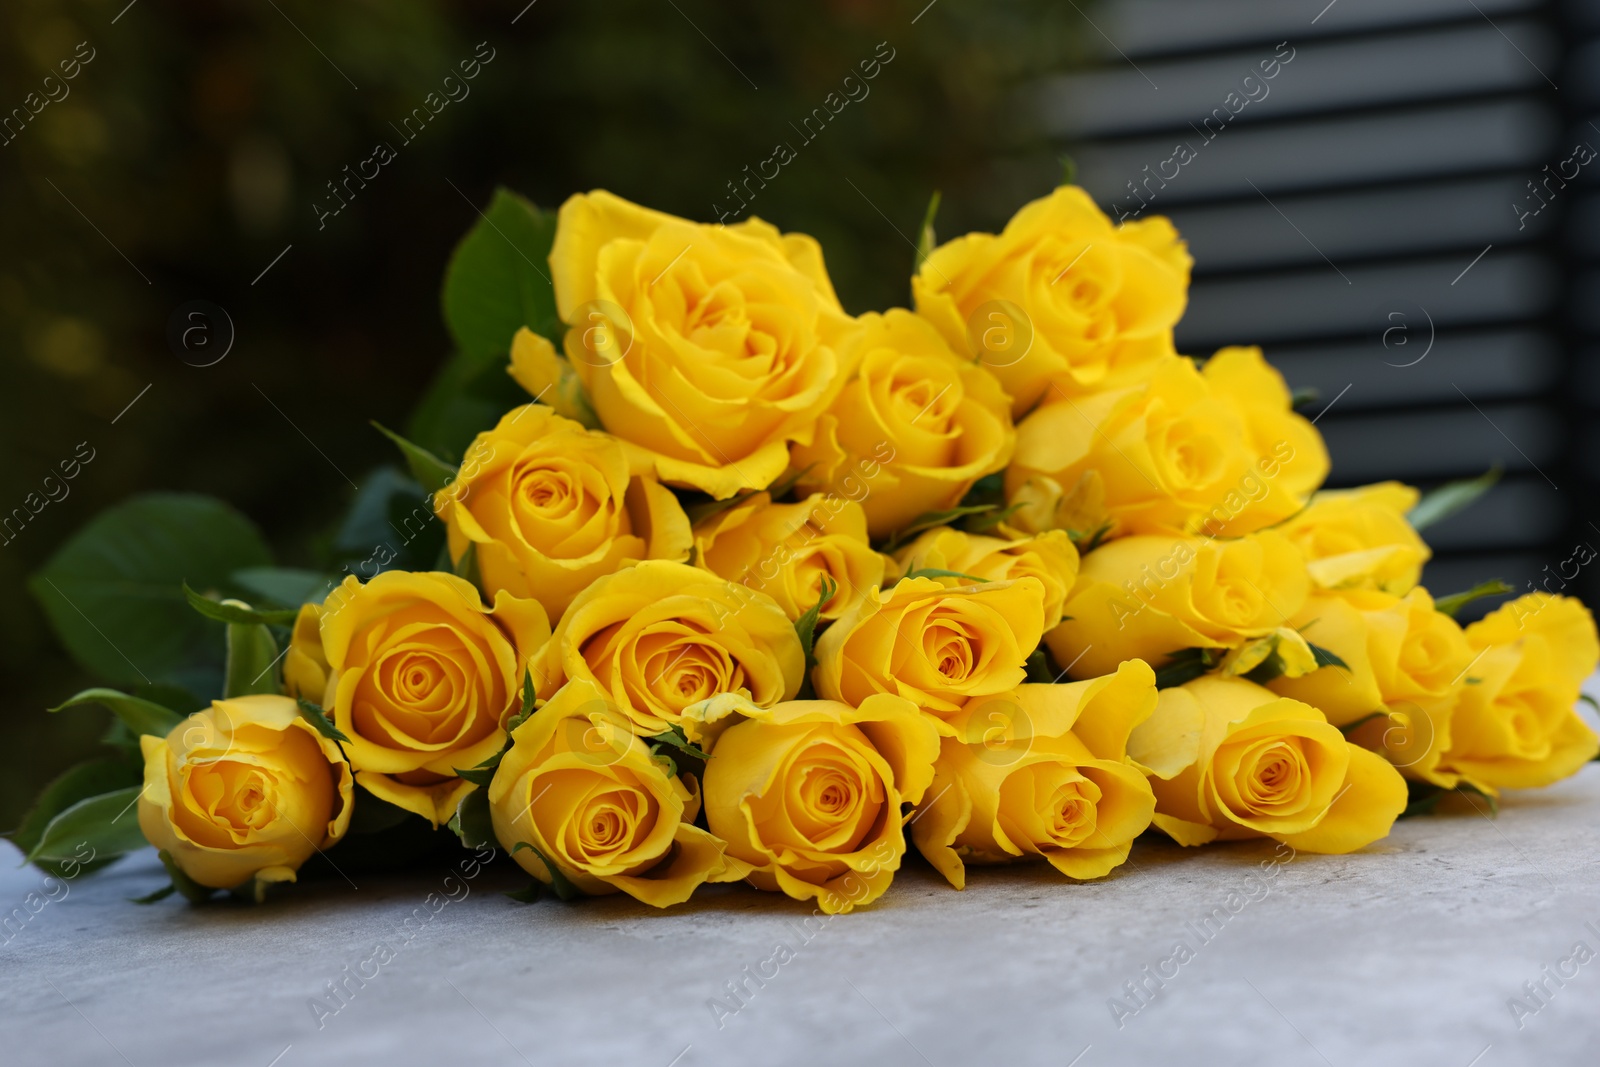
column 1186, row 665
column 106, row 824
column 932, row 519
column 141, row 716
column 1087, row 542
column 160, row 894
column 480, row 776
column 805, row 627
column 467, row 566
column 1421, row 798
column 1450, row 498
column 252, row 655
column 1069, row 169
column 1039, row 667
column 531, row 895
column 926, row 241
column 938, row 572
column 234, row 611
column 314, row 714
column 472, row 822
column 528, row 700
column 191, row 890
column 1324, row 657
column 1350, row 727
column 710, row 509
column 559, row 882
column 1451, row 605
column 1305, row 394
column 431, row 472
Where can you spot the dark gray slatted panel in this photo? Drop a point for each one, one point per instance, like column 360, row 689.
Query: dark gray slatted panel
column 1339, row 221
column 1143, row 28
column 1580, row 90
column 1323, row 76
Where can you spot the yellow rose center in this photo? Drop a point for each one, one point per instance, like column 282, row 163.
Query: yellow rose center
column 680, row 668
column 948, row 647
column 1272, row 778
column 832, row 800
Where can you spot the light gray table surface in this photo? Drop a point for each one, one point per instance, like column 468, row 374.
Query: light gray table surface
column 1405, row 954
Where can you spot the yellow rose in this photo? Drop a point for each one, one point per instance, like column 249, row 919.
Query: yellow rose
column 936, row 647
column 550, row 506
column 1217, row 452
column 1050, row 557
column 808, row 792
column 1229, row 759
column 708, row 349
column 658, row 637
column 586, row 794
column 245, row 789
column 1360, row 539
column 423, row 678
column 785, row 551
column 1041, row 771
column 912, row 430
column 1515, row 725
column 1148, row 597
column 1061, row 294
column 305, row 667
column 1401, row 657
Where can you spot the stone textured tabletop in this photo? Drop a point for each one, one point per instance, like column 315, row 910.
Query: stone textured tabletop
column 1408, row 954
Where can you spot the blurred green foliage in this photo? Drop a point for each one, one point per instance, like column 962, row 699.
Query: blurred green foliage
column 190, row 150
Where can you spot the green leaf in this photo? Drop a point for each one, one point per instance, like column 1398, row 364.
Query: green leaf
column 498, row 280
column 160, row 894
column 1423, row 797
column 531, row 895
column 251, row 656
column 431, row 472
column 88, row 779
column 1186, row 665
column 464, row 399
column 192, row 891
column 372, row 815
column 1069, row 169
column 314, row 714
column 236, row 611
column 288, row 586
column 558, row 881
column 1451, row 605
column 106, row 824
column 1468, row 789
column 1325, row 658
column 1305, row 394
column 473, row 823
column 938, row 572
column 1450, row 498
column 930, row 520
column 142, row 716
column 1589, row 700
column 114, row 592
column 926, row 241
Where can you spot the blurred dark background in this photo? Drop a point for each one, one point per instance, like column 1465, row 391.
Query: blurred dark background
column 184, row 161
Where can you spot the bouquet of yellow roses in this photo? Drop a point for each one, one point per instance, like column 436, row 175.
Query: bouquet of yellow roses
column 693, row 577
